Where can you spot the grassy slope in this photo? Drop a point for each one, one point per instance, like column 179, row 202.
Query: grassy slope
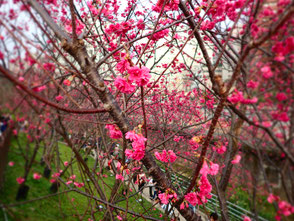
column 58, row 207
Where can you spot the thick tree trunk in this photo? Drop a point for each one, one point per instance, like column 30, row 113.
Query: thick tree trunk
column 4, row 147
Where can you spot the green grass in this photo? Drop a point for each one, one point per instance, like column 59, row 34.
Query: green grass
column 59, row 207
column 264, row 209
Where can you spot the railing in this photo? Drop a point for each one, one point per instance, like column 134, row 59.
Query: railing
column 235, row 212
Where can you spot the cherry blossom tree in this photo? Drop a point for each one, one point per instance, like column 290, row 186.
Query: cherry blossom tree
column 176, row 84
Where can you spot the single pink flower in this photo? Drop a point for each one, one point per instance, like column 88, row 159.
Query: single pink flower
column 59, row 98
column 69, row 182
column 236, row 159
column 11, row 164
column 20, row 180
column 246, row 218
column 266, row 72
column 37, row 176
column 14, row 132
column 67, row 82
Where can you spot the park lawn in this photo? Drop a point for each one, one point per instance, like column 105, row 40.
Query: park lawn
column 59, row 207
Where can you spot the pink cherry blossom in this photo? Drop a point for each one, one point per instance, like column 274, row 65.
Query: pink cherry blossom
column 59, row 98
column 139, row 75
column 20, row 180
column 114, row 131
column 11, row 164
column 191, row 198
column 37, row 176
column 271, row 198
column 266, row 72
column 285, row 208
column 213, row 168
column 252, row 84
column 222, row 149
column 72, row 177
column 163, row 198
column 166, row 156
column 124, row 85
column 246, row 218
column 122, row 66
column 119, row 177
column 281, row 96
column 79, row 185
column 49, row 66
column 236, row 160
column 67, row 82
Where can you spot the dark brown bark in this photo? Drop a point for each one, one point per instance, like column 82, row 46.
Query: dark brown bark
column 4, row 148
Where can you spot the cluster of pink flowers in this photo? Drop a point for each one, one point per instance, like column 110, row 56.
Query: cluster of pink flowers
column 281, row 96
column 280, row 116
column 252, row 84
column 159, row 35
column 285, row 208
column 138, row 144
column 177, row 138
column 49, row 66
column 194, row 143
column 238, row 97
column 120, row 28
column 54, row 2
column 171, row 5
column 207, row 25
column 79, row 185
column 113, row 131
column 124, row 85
column 191, row 198
column 166, row 156
column 54, row 176
column 71, row 179
column 281, row 49
column 79, row 26
column 140, row 76
column 119, row 177
column 165, row 197
column 205, row 187
column 92, row 8
column 222, row 149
